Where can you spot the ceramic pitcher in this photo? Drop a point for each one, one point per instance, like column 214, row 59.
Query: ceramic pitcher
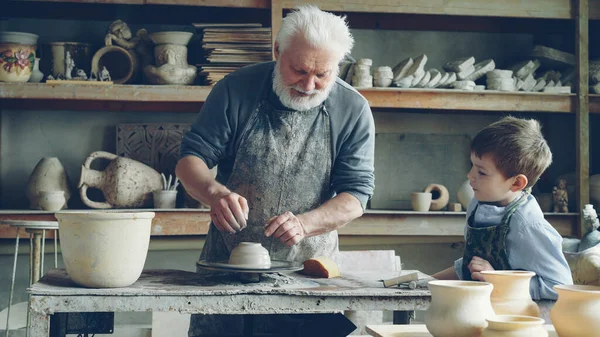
column 575, row 313
column 458, row 308
column 511, row 292
column 125, row 183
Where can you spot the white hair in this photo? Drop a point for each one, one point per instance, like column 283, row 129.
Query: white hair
column 320, row 29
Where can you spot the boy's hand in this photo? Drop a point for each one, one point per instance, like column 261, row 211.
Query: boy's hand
column 476, row 266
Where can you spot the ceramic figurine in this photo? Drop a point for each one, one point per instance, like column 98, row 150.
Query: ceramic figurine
column 80, row 75
column 104, row 75
column 560, row 196
column 139, row 45
column 69, row 65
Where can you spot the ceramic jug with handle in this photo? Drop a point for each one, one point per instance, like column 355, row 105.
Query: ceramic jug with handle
column 125, row 183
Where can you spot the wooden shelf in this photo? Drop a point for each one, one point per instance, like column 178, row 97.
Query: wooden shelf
column 180, row 222
column 189, row 98
column 594, row 103
column 200, row 3
column 551, row 9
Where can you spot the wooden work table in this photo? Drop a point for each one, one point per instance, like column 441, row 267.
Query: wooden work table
column 417, row 330
column 188, row 292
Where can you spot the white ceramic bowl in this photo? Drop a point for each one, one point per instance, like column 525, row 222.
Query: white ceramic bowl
column 250, row 255
column 104, row 249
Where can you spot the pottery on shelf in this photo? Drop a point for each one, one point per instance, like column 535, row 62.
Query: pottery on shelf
column 164, row 199
column 515, row 326
column 79, row 53
column 439, row 196
column 52, row 200
column 125, row 183
column 575, row 313
column 420, row 201
column 17, row 56
column 170, row 58
column 104, row 249
column 458, row 308
column 511, row 292
column 48, row 175
column 250, row 255
column 119, row 62
column 36, row 74
column 465, row 194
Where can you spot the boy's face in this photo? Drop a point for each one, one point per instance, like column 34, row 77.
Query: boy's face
column 488, row 183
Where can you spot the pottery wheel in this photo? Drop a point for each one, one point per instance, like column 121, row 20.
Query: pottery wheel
column 249, row 274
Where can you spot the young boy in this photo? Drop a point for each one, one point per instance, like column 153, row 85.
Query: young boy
column 506, row 229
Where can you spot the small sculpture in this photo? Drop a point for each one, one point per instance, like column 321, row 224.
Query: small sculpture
column 104, row 75
column 80, row 75
column 560, row 197
column 69, row 65
column 50, row 77
column 140, row 45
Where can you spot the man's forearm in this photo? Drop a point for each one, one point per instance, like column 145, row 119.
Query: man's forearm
column 333, row 214
column 198, row 180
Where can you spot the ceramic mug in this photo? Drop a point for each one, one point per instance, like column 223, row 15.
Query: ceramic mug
column 420, row 201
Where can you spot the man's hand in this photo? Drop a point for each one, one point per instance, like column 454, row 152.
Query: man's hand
column 287, row 227
column 476, row 266
column 229, row 213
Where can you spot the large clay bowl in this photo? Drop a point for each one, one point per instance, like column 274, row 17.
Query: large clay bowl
column 104, row 249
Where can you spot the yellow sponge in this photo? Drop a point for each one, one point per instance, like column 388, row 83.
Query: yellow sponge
column 322, row 266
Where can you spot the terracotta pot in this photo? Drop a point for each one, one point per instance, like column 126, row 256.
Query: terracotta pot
column 125, row 183
column 250, row 255
column 576, row 311
column 511, row 292
column 48, row 175
column 515, row 326
column 458, row 308
column 104, row 249
column 120, row 63
column 17, row 56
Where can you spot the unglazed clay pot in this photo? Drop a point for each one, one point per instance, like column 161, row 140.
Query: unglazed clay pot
column 439, row 196
column 104, row 249
column 48, row 175
column 511, row 292
column 458, row 308
column 17, row 56
column 125, row 183
column 420, row 201
column 250, row 255
column 515, row 326
column 465, row 193
column 52, row 200
column 170, row 58
column 576, row 312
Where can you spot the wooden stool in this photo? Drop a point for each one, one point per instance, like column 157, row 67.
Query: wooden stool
column 37, row 242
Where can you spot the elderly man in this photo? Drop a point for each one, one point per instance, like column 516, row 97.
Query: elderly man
column 294, row 146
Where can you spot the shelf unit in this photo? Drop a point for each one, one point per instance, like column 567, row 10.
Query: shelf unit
column 394, row 223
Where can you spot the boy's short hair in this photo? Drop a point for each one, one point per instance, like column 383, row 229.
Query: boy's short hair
column 516, row 145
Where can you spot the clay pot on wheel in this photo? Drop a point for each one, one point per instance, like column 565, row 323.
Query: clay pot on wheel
column 250, row 255
column 125, row 183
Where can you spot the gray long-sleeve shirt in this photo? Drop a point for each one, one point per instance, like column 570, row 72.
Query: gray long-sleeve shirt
column 216, row 134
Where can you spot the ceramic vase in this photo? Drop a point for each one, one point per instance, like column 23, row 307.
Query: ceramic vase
column 104, row 249
column 164, row 199
column 17, row 56
column 515, row 326
column 170, row 58
column 458, row 308
column 52, row 200
column 36, row 74
column 48, row 175
column 125, row 183
column 575, row 313
column 511, row 292
column 120, row 63
column 464, row 194
column 439, row 196
column 250, row 255
column 420, row 201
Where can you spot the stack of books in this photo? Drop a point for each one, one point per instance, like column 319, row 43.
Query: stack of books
column 228, row 47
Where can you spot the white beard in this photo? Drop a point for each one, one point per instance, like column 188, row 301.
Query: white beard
column 315, row 97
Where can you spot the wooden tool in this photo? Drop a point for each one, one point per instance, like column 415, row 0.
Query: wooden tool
column 401, row 279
